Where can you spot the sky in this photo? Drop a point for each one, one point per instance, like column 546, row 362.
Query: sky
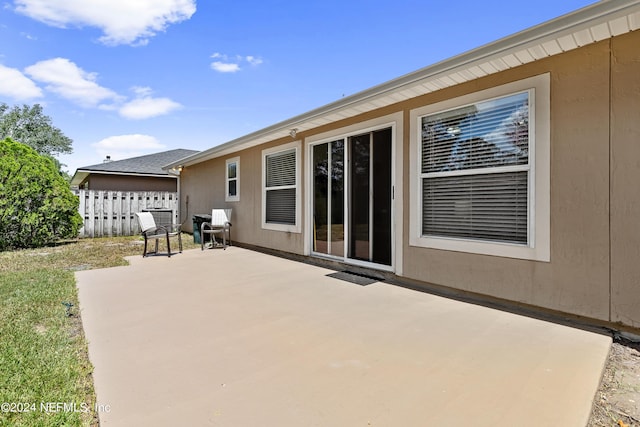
column 131, row 77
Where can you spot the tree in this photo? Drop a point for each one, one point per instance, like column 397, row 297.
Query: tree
column 37, row 206
column 31, row 127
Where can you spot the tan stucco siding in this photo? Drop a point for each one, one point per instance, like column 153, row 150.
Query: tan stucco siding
column 625, row 180
column 593, row 270
column 576, row 278
column 201, row 189
column 204, row 184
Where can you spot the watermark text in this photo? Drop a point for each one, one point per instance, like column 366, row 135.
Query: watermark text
column 52, row 407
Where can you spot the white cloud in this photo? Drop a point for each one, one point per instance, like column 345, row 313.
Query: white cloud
column 124, row 146
column 66, row 79
column 16, row 85
column 225, row 65
column 145, row 106
column 122, row 21
column 28, row 36
column 142, row 90
column 253, row 60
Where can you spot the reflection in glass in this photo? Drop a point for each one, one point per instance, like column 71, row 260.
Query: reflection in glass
column 360, row 153
column 337, row 198
column 492, row 133
column 328, row 193
column 321, row 198
column 381, row 189
column 232, row 170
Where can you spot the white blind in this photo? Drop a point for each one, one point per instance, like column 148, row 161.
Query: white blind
column 485, row 207
column 281, row 191
column 475, row 171
column 281, row 169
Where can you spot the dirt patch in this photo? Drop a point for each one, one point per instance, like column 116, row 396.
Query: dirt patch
column 617, row 402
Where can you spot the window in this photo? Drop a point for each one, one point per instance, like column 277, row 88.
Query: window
column 475, row 167
column 476, row 180
column 281, row 199
column 232, row 180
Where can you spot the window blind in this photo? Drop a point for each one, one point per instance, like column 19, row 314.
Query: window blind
column 281, row 169
column 488, row 134
column 475, row 171
column 485, row 207
column 281, row 206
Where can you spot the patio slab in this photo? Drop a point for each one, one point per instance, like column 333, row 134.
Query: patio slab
column 240, row 338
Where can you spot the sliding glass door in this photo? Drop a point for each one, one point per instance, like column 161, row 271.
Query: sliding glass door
column 352, row 195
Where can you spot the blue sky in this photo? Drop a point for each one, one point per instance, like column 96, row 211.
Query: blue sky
column 132, row 77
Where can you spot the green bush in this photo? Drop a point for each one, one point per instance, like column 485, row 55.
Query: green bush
column 37, row 206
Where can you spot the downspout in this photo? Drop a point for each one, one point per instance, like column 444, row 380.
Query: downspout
column 176, row 172
column 611, row 59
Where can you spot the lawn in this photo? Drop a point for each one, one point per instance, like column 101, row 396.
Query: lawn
column 45, row 373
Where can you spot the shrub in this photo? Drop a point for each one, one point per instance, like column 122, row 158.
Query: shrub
column 37, row 206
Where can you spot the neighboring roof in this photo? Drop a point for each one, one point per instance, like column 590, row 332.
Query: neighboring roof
column 585, row 26
column 149, row 165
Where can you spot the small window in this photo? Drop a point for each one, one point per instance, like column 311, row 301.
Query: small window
column 281, row 204
column 232, row 185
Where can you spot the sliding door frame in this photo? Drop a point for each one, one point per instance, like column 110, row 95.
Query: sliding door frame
column 394, row 122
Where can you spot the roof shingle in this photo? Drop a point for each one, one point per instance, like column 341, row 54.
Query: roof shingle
column 149, row 164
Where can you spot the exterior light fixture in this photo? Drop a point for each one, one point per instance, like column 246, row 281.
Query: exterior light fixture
column 293, row 132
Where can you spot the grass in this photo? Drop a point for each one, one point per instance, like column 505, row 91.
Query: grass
column 43, row 352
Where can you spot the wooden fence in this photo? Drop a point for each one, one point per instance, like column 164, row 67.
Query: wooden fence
column 112, row 213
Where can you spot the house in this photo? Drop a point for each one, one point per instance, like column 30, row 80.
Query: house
column 509, row 173
column 143, row 173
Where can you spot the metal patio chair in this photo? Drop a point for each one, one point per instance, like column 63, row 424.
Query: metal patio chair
column 220, row 224
column 151, row 231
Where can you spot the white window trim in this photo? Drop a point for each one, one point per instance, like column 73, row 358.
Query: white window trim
column 227, row 197
column 297, row 227
column 539, row 177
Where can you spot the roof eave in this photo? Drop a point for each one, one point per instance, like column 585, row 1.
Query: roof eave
column 79, row 177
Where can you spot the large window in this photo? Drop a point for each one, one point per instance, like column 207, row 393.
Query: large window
column 475, row 169
column 232, row 181
column 476, row 186
column 281, row 204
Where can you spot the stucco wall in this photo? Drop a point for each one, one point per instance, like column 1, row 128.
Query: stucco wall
column 204, row 185
column 625, row 180
column 576, row 279
column 594, row 270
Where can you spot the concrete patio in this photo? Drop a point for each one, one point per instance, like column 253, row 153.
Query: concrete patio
column 240, row 338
